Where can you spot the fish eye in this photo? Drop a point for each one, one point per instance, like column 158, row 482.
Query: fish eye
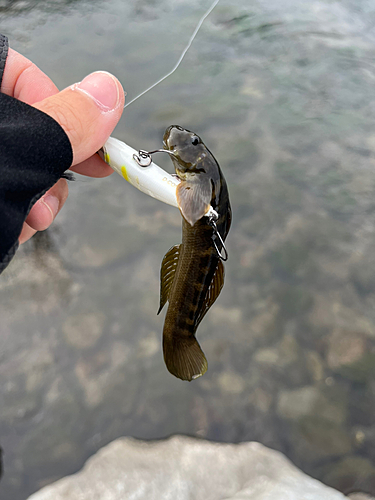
column 195, row 140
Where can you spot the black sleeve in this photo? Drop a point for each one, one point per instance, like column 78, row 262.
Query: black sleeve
column 3, row 54
column 34, row 154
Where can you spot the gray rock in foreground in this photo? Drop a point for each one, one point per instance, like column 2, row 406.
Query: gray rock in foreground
column 187, row 469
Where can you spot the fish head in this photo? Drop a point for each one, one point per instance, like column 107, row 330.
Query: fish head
column 189, row 152
column 189, row 156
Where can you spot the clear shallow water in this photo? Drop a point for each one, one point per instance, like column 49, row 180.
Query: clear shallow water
column 284, row 98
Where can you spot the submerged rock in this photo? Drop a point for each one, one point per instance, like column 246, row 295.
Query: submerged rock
column 83, row 330
column 310, row 401
column 185, row 468
column 350, row 473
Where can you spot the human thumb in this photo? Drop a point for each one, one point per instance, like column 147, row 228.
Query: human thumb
column 88, row 112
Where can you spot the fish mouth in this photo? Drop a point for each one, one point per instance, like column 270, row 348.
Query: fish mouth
column 166, row 136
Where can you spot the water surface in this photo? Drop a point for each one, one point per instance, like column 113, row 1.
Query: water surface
column 284, row 97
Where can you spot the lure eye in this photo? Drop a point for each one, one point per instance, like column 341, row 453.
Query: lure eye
column 195, row 140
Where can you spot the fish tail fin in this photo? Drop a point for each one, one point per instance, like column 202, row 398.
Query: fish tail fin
column 184, row 357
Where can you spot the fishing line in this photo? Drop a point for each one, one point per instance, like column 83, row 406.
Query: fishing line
column 201, row 21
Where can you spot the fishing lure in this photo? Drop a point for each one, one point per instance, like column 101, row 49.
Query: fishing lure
column 144, row 175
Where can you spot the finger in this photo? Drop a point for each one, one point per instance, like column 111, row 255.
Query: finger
column 88, row 112
column 26, row 233
column 93, row 167
column 25, row 81
column 48, row 206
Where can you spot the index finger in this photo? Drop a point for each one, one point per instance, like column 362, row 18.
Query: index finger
column 23, row 80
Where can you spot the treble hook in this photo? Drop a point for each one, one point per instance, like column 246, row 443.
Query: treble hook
column 144, row 157
column 212, row 218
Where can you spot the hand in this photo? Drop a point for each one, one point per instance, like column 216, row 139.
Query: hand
column 87, row 111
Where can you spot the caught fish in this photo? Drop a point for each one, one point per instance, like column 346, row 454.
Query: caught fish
column 192, row 273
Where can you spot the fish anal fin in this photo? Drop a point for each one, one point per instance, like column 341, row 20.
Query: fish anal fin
column 184, row 357
column 167, row 273
column 213, row 292
column 194, row 198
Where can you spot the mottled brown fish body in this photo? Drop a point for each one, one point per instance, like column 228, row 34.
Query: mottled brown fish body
column 195, row 268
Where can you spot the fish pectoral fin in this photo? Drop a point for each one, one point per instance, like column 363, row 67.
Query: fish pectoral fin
column 213, row 292
column 167, row 273
column 194, row 198
column 184, row 357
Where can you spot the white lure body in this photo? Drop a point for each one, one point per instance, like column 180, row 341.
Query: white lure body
column 151, row 180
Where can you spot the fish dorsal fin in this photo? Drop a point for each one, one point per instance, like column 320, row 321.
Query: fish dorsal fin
column 167, row 273
column 213, row 292
column 194, row 198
